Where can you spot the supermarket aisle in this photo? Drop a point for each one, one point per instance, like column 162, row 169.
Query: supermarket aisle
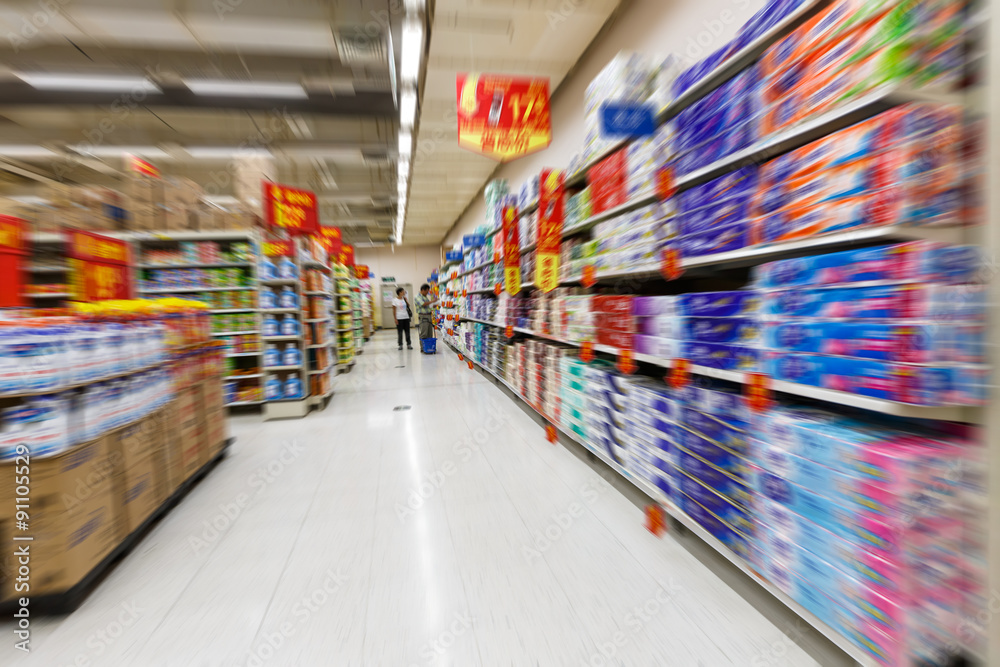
column 450, row 533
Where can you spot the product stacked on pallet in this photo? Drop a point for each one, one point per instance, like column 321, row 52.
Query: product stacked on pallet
column 126, row 407
column 825, row 505
column 218, row 270
column 357, row 318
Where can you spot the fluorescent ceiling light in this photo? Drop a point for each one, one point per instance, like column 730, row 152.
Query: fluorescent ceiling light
column 412, row 51
column 25, row 151
column 414, row 6
column 408, row 108
column 82, row 82
column 225, row 152
column 405, row 143
column 229, row 88
column 118, row 151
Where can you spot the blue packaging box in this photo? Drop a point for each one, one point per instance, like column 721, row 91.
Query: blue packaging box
column 724, row 404
column 733, row 515
column 741, row 303
column 721, row 432
column 741, row 184
column 904, row 383
column 730, row 537
column 710, row 452
column 722, row 482
column 723, row 356
column 805, row 473
column 650, row 428
column 919, row 260
column 903, row 301
column 734, row 330
column 906, row 343
column 714, row 215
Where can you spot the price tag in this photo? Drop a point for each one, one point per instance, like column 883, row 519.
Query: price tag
column 470, row 365
column 498, row 288
column 666, row 187
column 680, row 374
column 451, row 332
column 587, row 351
column 454, row 275
column 551, row 434
column 496, row 257
column 626, row 362
column 655, row 521
column 758, row 391
column 509, row 333
column 465, row 292
column 589, row 278
column 671, row 267
column 461, row 357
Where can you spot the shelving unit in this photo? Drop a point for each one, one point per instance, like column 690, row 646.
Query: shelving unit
column 166, row 264
column 280, row 378
column 317, row 318
column 342, row 324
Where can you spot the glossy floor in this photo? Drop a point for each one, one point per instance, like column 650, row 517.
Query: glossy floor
column 421, row 519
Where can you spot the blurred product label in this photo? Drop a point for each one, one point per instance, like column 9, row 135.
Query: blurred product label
column 290, row 209
column 140, row 166
column 279, row 249
column 100, row 266
column 503, row 117
column 551, row 213
column 347, row 255
column 12, row 249
column 453, row 256
column 628, row 120
column 473, row 240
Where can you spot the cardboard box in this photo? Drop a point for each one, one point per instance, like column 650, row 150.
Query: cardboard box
column 214, row 398
column 191, row 418
column 139, row 497
column 171, row 473
column 175, row 219
column 71, row 515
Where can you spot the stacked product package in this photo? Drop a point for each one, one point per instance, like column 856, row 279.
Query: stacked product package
column 614, row 322
column 495, row 193
column 606, row 392
column 632, row 241
column 899, row 322
column 573, row 396
column 630, row 173
column 862, row 523
column 650, row 417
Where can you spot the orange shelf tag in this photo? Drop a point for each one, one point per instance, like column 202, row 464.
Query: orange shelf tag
column 589, row 278
column 680, row 374
column 550, row 433
column 461, row 357
column 465, row 292
column 509, row 331
column 666, row 187
column 671, row 267
column 655, row 521
column 758, row 391
column 454, row 275
column 470, row 365
column 626, row 362
column 496, row 257
column 587, row 351
column 498, row 288
column 451, row 332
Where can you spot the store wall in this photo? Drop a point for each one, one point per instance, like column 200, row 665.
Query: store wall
column 407, row 264
column 691, row 29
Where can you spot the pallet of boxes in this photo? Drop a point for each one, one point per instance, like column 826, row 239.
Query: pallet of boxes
column 83, row 503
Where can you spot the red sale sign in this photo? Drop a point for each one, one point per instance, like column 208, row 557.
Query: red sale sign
column 290, row 209
column 503, row 117
column 12, row 250
column 99, row 265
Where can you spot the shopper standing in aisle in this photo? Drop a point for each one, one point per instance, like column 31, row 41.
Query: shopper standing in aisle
column 425, row 301
column 402, row 313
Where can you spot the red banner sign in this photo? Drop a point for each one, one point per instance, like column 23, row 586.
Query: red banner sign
column 331, row 239
column 361, row 272
column 511, row 249
column 99, row 266
column 12, row 249
column 279, row 249
column 551, row 211
column 140, row 166
column 347, row 255
column 503, row 117
column 290, row 209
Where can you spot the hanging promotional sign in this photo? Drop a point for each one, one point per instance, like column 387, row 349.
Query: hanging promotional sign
column 630, row 120
column 277, row 248
column 503, row 117
column 347, row 255
column 473, row 241
column 511, row 247
column 551, row 212
column 361, row 272
column 331, row 239
column 12, row 250
column 453, row 256
column 99, row 266
column 140, row 166
column 290, row 209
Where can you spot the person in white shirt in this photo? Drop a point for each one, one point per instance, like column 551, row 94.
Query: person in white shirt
column 402, row 314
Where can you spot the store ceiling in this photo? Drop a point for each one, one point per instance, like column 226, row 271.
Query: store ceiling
column 339, row 137
column 520, row 37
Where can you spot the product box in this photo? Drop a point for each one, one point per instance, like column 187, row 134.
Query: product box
column 139, row 496
column 726, row 460
column 901, row 301
column 729, row 536
column 192, row 431
column 723, row 356
column 733, row 488
column 717, row 240
column 655, row 306
column 743, row 303
column 723, row 404
column 664, row 348
column 727, row 434
column 730, row 513
column 732, row 330
column 72, row 517
column 905, row 343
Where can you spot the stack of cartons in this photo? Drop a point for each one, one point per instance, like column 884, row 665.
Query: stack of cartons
column 136, row 493
column 190, row 415
column 168, row 467
column 144, row 201
column 215, row 415
column 71, row 517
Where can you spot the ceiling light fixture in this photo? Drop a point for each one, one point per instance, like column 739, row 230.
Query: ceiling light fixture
column 230, row 88
column 412, row 51
column 25, row 151
column 405, row 143
column 85, row 83
column 119, row 151
column 225, row 152
column 408, row 108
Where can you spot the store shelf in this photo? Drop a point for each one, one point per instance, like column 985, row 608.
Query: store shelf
column 221, row 235
column 48, row 295
column 191, row 290
column 627, row 207
column 243, row 377
column 234, row 333
column 323, row 371
column 799, row 135
column 281, row 338
column 152, row 267
column 657, row 496
column 280, row 281
column 240, row 404
column 231, row 311
column 472, row 319
column 315, row 293
column 529, row 247
column 321, row 320
column 293, row 311
column 476, row 268
column 48, row 269
column 345, row 330
column 312, row 264
column 320, row 346
column 236, row 355
column 270, row 369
